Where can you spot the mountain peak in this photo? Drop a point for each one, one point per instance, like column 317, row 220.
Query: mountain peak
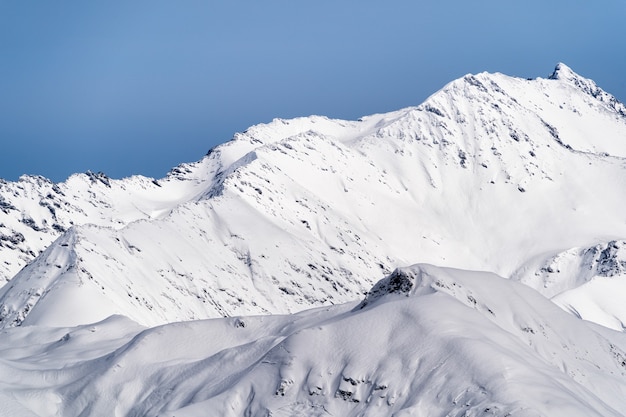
column 486, row 148
column 521, row 178
column 563, row 72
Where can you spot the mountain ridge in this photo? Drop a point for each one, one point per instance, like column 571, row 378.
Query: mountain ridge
column 463, row 257
column 480, row 156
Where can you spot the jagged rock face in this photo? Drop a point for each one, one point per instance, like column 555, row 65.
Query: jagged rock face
column 487, row 174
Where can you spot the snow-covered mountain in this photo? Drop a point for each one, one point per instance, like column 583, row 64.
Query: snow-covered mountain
column 35, row 211
column 426, row 341
column 514, row 188
column 491, row 173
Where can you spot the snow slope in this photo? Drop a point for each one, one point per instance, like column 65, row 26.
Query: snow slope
column 112, row 281
column 426, row 341
column 589, row 282
column 34, row 211
column 491, row 173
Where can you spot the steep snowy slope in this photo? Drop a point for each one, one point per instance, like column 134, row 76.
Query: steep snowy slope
column 491, row 173
column 34, row 211
column 590, row 282
column 426, row 341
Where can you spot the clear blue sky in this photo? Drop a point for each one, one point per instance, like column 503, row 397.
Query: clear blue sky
column 137, row 87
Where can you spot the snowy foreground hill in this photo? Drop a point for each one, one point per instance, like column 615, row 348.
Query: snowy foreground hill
column 247, row 284
column 427, row 341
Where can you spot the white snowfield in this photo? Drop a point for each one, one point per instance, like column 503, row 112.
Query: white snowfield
column 279, row 233
column 426, row 341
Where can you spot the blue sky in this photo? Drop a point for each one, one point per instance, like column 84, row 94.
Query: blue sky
column 137, row 87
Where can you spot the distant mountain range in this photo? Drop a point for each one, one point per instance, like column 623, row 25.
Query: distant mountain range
column 283, row 234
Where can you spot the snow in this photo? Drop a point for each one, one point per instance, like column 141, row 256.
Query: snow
column 490, row 173
column 449, row 342
column 34, row 211
column 277, row 235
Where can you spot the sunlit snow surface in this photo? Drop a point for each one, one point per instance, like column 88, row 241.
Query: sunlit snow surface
column 491, row 173
column 525, row 179
column 426, row 342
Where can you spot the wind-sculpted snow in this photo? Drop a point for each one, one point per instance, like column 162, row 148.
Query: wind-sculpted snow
column 490, row 173
column 427, row 341
column 521, row 178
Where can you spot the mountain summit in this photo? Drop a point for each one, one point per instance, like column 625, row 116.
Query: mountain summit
column 563, row 72
column 438, row 260
column 491, row 173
